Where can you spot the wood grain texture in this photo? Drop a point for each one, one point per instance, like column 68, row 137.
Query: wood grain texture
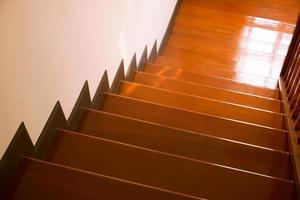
column 239, row 76
column 166, row 171
column 178, row 118
column 214, row 81
column 45, row 180
column 191, row 88
column 192, row 145
column 202, row 105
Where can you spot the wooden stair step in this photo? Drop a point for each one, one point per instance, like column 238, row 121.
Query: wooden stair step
column 185, row 143
column 242, row 77
column 44, row 180
column 207, row 91
column 224, row 50
column 178, row 118
column 219, row 82
column 261, row 67
column 166, row 171
column 202, row 105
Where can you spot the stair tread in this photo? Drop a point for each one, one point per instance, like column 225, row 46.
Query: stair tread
column 193, row 145
column 219, row 82
column 187, row 120
column 206, row 91
column 45, row 180
column 167, row 171
column 255, row 65
column 224, row 51
column 239, row 76
column 201, row 105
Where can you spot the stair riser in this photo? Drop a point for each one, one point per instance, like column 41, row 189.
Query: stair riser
column 192, row 145
column 274, row 139
column 164, row 171
column 46, row 181
column 202, row 105
column 207, row 92
column 215, row 82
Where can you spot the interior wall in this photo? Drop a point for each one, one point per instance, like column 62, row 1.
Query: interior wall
column 49, row 48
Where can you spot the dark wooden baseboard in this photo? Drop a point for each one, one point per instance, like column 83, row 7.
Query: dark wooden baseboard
column 20, row 145
column 143, row 60
column 169, row 28
column 102, row 88
column 153, row 52
column 131, row 68
column 56, row 120
column 120, row 75
column 84, row 100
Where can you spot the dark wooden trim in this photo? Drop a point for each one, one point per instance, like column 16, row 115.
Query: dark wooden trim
column 293, row 136
column 56, row 120
column 169, row 28
column 131, row 68
column 84, row 100
column 120, row 75
column 20, row 145
column 143, row 60
column 102, row 88
column 292, row 46
column 153, row 53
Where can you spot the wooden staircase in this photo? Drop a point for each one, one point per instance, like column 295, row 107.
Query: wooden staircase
column 183, row 125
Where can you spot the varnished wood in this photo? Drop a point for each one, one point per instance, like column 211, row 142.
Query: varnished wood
column 193, row 145
column 202, row 105
column 190, row 65
column 21, row 145
column 259, row 65
column 166, row 171
column 224, row 52
column 44, row 180
column 207, row 91
column 219, row 82
column 293, row 135
column 285, row 11
column 220, row 127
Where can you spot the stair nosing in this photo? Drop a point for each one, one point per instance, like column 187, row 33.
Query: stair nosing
column 187, row 131
column 216, row 68
column 199, row 113
column 205, row 98
column 176, row 156
column 218, row 77
column 109, row 177
column 209, row 86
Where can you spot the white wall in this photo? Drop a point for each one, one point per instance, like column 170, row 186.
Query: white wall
column 49, row 48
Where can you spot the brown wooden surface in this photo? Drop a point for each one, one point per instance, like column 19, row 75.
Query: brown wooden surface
column 220, row 127
column 165, row 171
column 190, row 65
column 189, row 144
column 202, row 105
column 223, row 83
column 207, row 91
column 44, row 180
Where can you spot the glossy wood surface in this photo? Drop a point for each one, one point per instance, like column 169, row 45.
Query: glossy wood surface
column 44, row 180
column 214, row 81
column 191, row 65
column 166, row 171
column 178, row 118
column 200, row 90
column 202, row 105
column 243, row 36
column 192, row 145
